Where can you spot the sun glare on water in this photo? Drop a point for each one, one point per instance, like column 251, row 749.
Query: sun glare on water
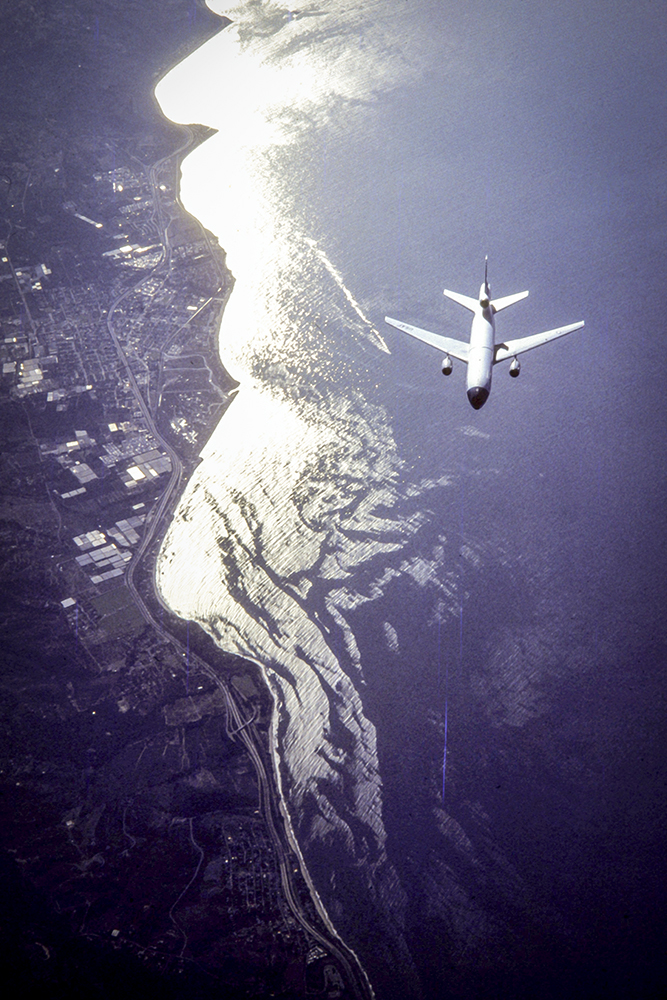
column 297, row 488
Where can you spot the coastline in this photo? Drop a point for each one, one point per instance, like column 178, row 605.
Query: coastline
column 266, row 523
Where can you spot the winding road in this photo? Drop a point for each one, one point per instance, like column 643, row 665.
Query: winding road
column 288, row 852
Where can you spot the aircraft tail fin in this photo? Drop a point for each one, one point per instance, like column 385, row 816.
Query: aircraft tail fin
column 463, row 300
column 507, row 300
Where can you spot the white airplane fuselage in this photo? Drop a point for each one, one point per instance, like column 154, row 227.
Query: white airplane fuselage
column 481, row 352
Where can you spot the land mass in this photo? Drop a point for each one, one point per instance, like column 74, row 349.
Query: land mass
column 142, row 828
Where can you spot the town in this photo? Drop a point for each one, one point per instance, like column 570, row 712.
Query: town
column 110, row 303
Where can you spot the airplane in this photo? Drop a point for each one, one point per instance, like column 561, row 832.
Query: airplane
column 482, row 353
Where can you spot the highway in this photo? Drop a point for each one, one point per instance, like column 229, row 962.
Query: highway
column 246, row 730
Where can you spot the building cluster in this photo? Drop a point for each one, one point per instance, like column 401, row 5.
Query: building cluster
column 130, row 453
column 100, row 330
column 105, row 554
column 91, row 325
column 249, row 867
column 56, row 347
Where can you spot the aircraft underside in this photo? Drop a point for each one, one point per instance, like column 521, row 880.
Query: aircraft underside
column 483, row 351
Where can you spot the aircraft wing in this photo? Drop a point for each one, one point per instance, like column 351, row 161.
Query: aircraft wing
column 513, row 347
column 447, row 345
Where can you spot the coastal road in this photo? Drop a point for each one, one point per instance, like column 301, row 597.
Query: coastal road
column 290, row 858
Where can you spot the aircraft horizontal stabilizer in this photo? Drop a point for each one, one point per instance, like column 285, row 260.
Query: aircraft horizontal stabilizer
column 456, row 348
column 463, row 300
column 507, row 300
column 513, row 347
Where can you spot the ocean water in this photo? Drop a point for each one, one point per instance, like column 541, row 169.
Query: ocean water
column 437, row 595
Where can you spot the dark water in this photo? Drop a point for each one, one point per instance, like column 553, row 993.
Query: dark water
column 539, row 142
column 534, row 134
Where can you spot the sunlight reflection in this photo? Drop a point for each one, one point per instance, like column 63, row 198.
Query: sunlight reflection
column 297, row 491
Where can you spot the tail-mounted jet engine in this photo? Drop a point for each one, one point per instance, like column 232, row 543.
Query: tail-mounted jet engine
column 447, row 365
column 515, row 368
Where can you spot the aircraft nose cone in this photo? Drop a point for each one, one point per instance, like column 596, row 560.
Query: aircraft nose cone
column 478, row 396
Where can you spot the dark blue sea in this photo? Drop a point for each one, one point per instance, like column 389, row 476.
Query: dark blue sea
column 507, row 656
